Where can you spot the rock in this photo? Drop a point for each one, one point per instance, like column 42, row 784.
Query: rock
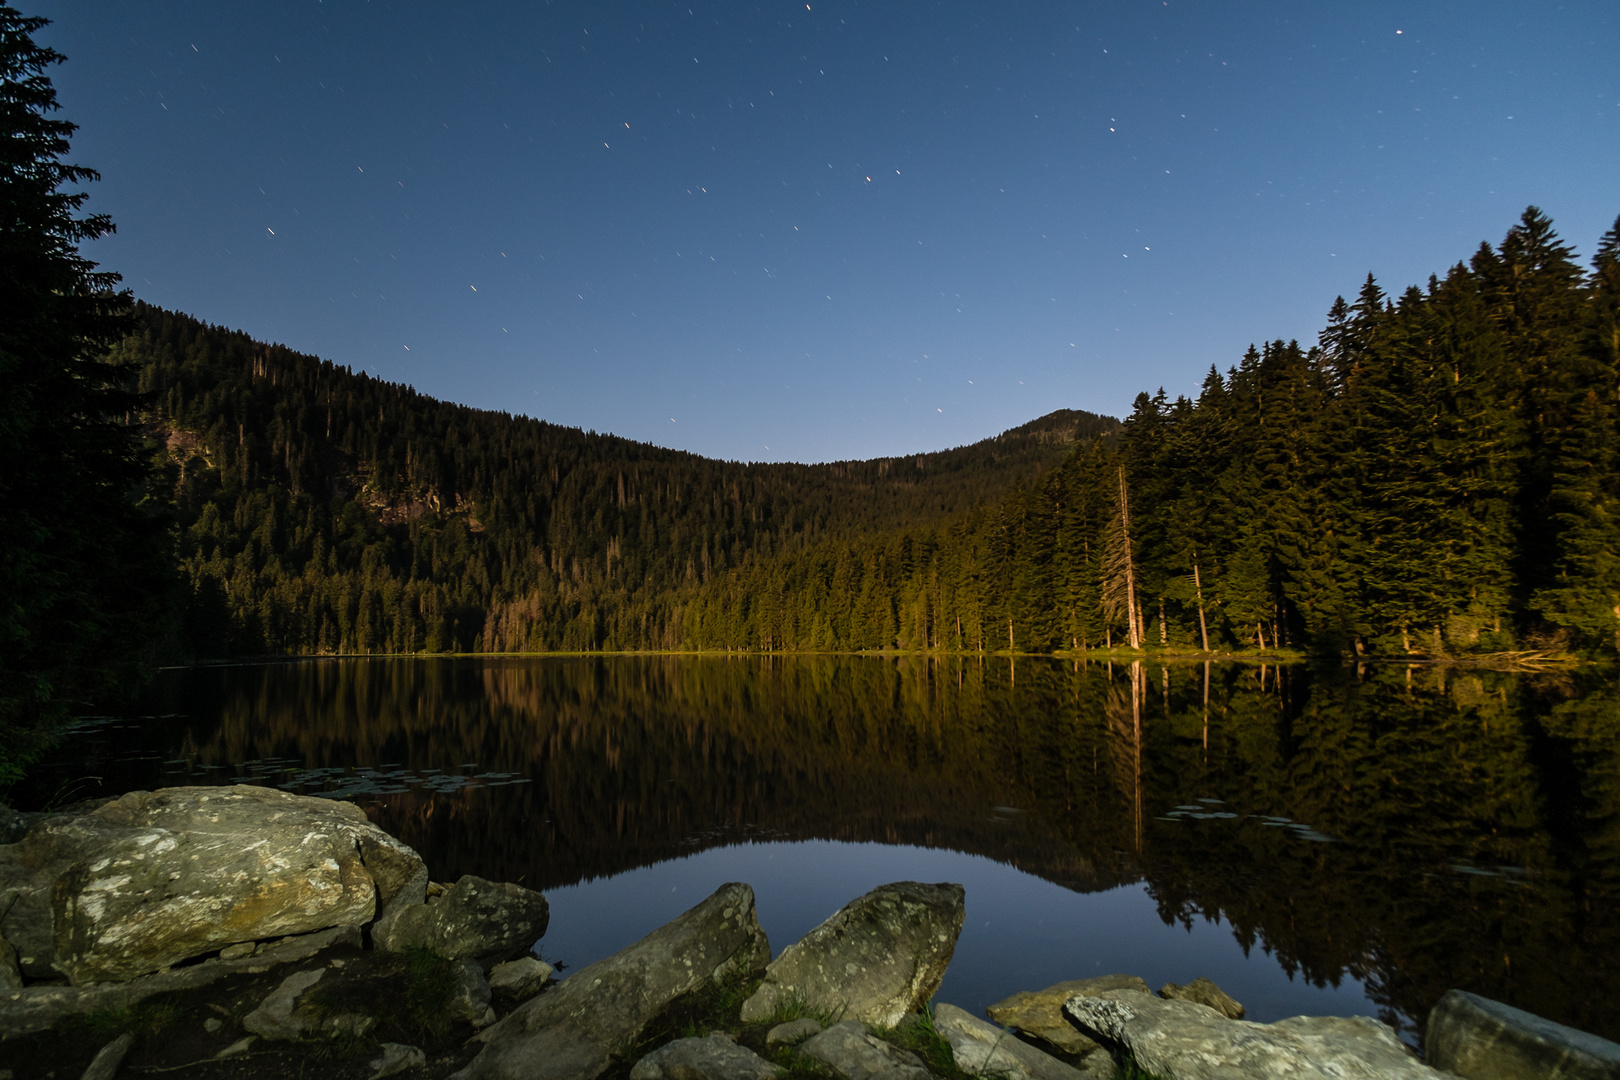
column 36, row 1008
column 10, row 970
column 878, row 958
column 983, row 1049
column 470, row 999
column 474, row 918
column 239, row 1046
column 1204, row 992
column 1039, row 1013
column 238, row 951
column 793, row 1032
column 276, row 1016
column 520, row 979
column 213, row 1024
column 1482, row 1039
column 396, row 1057
column 850, row 1050
column 717, row 1057
column 1194, row 1042
column 104, row 1066
column 155, row 878
column 571, row 1031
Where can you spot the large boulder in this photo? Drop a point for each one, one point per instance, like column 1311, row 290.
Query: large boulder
column 878, row 958
column 1205, row 992
column 717, row 1057
column 158, row 877
column 852, row 1052
column 982, row 1049
column 571, row 1031
column 1194, row 1042
column 473, row 919
column 1039, row 1013
column 1481, row 1039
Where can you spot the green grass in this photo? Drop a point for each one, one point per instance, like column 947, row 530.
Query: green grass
column 430, row 983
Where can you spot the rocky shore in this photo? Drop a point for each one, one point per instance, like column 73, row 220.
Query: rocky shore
column 246, row 932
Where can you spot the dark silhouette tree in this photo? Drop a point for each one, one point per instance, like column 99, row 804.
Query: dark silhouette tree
column 81, row 566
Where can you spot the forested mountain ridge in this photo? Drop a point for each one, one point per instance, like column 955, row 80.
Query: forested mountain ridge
column 322, row 510
column 1439, row 475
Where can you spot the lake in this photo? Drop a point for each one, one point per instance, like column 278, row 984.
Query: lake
column 1316, row 840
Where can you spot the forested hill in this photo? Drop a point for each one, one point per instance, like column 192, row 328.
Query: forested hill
column 322, row 510
column 1439, row 475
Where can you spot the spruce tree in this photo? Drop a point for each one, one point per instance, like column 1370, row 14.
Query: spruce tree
column 81, row 567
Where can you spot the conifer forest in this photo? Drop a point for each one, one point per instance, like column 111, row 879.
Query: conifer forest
column 1438, row 475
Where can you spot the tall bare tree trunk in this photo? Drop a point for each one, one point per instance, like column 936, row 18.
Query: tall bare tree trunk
column 1132, row 616
column 1198, row 585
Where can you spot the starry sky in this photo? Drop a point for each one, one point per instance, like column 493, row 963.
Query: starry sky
column 809, row 232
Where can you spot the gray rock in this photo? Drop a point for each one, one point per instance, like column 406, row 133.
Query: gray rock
column 520, row 979
column 396, row 1057
column 474, row 918
column 239, row 950
column 238, row 1047
column 470, row 999
column 154, row 878
column 35, row 1008
column 717, row 1057
column 850, row 1050
column 10, row 970
column 793, row 1032
column 1039, row 1013
column 1204, row 992
column 983, row 1049
column 1482, row 1039
column 276, row 1017
column 213, row 1024
column 1194, row 1042
column 104, row 1066
column 571, row 1031
column 878, row 958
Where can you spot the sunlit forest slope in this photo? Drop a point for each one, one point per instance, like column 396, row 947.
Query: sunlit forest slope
column 1438, row 475
column 320, row 510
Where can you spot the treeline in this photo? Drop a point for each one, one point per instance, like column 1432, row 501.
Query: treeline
column 320, row 510
column 1439, row 474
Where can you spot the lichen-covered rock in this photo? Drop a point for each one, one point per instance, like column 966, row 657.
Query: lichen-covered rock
column 793, row 1032
column 571, row 1031
column 157, row 877
column 520, row 979
column 10, row 972
column 473, row 919
column 852, row 1052
column 1039, row 1013
column 1194, row 1042
column 396, row 1057
column 983, row 1049
column 276, row 1017
column 878, row 958
column 41, row 1006
column 469, row 997
column 717, row 1057
column 1481, row 1039
column 1204, row 992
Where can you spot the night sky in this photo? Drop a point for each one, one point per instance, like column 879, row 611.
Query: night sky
column 780, row 231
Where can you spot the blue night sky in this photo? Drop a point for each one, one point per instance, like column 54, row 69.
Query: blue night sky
column 780, row 231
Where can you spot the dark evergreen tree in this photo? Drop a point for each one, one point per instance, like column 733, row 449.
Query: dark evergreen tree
column 81, row 566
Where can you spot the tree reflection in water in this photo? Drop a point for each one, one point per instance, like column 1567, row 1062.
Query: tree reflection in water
column 1414, row 828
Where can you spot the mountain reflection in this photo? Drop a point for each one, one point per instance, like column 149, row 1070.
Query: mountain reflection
column 1418, row 828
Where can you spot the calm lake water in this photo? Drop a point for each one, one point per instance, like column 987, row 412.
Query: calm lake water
column 1316, row 841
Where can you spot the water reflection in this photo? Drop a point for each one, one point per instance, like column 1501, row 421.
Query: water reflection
column 1411, row 829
